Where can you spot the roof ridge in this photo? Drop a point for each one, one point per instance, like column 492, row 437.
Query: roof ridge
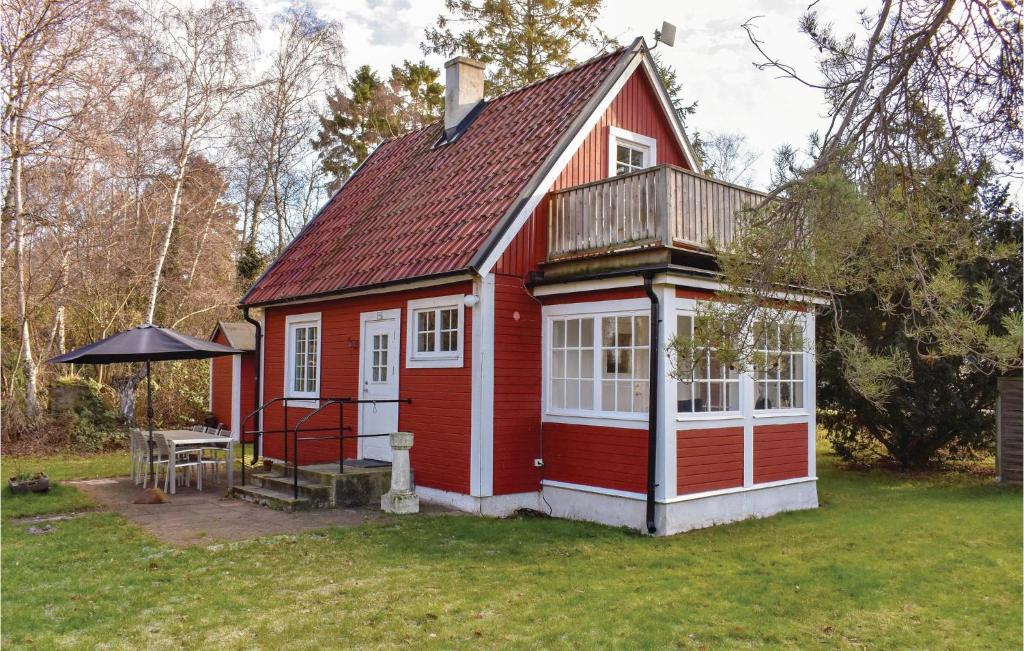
column 592, row 60
column 488, row 100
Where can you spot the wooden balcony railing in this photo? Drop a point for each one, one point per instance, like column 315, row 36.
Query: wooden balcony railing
column 659, row 206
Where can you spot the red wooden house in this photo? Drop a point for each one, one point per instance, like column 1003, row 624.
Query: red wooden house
column 517, row 272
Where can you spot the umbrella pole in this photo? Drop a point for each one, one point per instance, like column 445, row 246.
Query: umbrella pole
column 149, row 417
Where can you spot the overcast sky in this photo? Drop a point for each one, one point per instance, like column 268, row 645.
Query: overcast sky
column 712, row 55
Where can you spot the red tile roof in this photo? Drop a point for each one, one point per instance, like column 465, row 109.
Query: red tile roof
column 415, row 210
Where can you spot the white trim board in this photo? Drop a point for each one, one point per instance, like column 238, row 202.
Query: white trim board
column 236, row 396
column 384, row 289
column 481, row 440
column 677, row 279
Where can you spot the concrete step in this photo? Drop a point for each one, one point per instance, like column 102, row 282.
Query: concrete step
column 321, row 494
column 274, row 499
column 326, row 473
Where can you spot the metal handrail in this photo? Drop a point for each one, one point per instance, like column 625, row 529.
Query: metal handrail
column 341, row 402
column 258, row 434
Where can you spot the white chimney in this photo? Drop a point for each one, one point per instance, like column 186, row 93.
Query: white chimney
column 463, row 89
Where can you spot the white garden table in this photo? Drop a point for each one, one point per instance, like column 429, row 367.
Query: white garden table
column 188, row 438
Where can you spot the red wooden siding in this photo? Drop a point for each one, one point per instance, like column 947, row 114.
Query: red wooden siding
column 439, row 416
column 635, row 109
column 780, row 452
column 607, row 457
column 247, row 399
column 220, row 403
column 709, row 459
column 617, row 294
column 517, row 387
column 699, row 294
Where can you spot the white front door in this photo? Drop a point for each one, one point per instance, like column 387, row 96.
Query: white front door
column 379, row 363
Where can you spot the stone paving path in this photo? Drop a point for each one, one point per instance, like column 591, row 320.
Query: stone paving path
column 191, row 517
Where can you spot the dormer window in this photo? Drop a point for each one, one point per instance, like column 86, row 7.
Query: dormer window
column 630, row 152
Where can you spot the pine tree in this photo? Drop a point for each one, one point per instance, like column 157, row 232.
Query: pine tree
column 520, row 40
column 369, row 111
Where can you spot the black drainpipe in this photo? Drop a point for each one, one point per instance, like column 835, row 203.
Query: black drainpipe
column 653, row 405
column 256, row 372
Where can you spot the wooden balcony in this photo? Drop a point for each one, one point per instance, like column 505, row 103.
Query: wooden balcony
column 659, row 207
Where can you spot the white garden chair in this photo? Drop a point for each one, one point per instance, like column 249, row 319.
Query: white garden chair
column 187, row 460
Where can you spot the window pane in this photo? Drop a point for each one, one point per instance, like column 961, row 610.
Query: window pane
column 642, row 330
column 425, row 322
column 624, row 335
column 587, row 333
column 572, row 333
column 558, row 363
column 558, row 334
column 636, row 158
column 449, row 341
column 732, row 400
column 587, row 394
column 624, row 396
column 608, row 332
column 642, row 363
column 572, row 363
column 608, row 395
column 587, row 363
column 572, row 394
column 641, row 399
column 798, row 366
column 622, row 154
column 558, row 393
column 611, row 365
column 449, row 318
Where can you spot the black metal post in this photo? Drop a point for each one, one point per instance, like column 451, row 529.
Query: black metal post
column 149, row 418
column 341, row 438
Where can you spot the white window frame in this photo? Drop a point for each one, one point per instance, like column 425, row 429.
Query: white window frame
column 806, row 357
column 633, row 139
column 437, row 358
column 691, row 311
column 597, row 311
column 291, row 322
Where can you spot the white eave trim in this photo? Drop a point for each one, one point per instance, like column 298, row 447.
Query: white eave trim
column 383, row 289
column 619, row 282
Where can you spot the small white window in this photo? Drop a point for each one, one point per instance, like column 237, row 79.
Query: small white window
column 302, row 356
column 435, row 332
column 630, row 152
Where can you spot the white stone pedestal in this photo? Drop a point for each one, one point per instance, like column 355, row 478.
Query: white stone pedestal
column 401, row 498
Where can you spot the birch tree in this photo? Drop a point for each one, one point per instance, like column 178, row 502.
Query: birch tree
column 278, row 120
column 205, row 52
column 47, row 46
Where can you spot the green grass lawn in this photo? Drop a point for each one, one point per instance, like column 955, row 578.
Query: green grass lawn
column 887, row 562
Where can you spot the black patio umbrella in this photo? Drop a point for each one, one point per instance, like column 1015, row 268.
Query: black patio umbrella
column 145, row 343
